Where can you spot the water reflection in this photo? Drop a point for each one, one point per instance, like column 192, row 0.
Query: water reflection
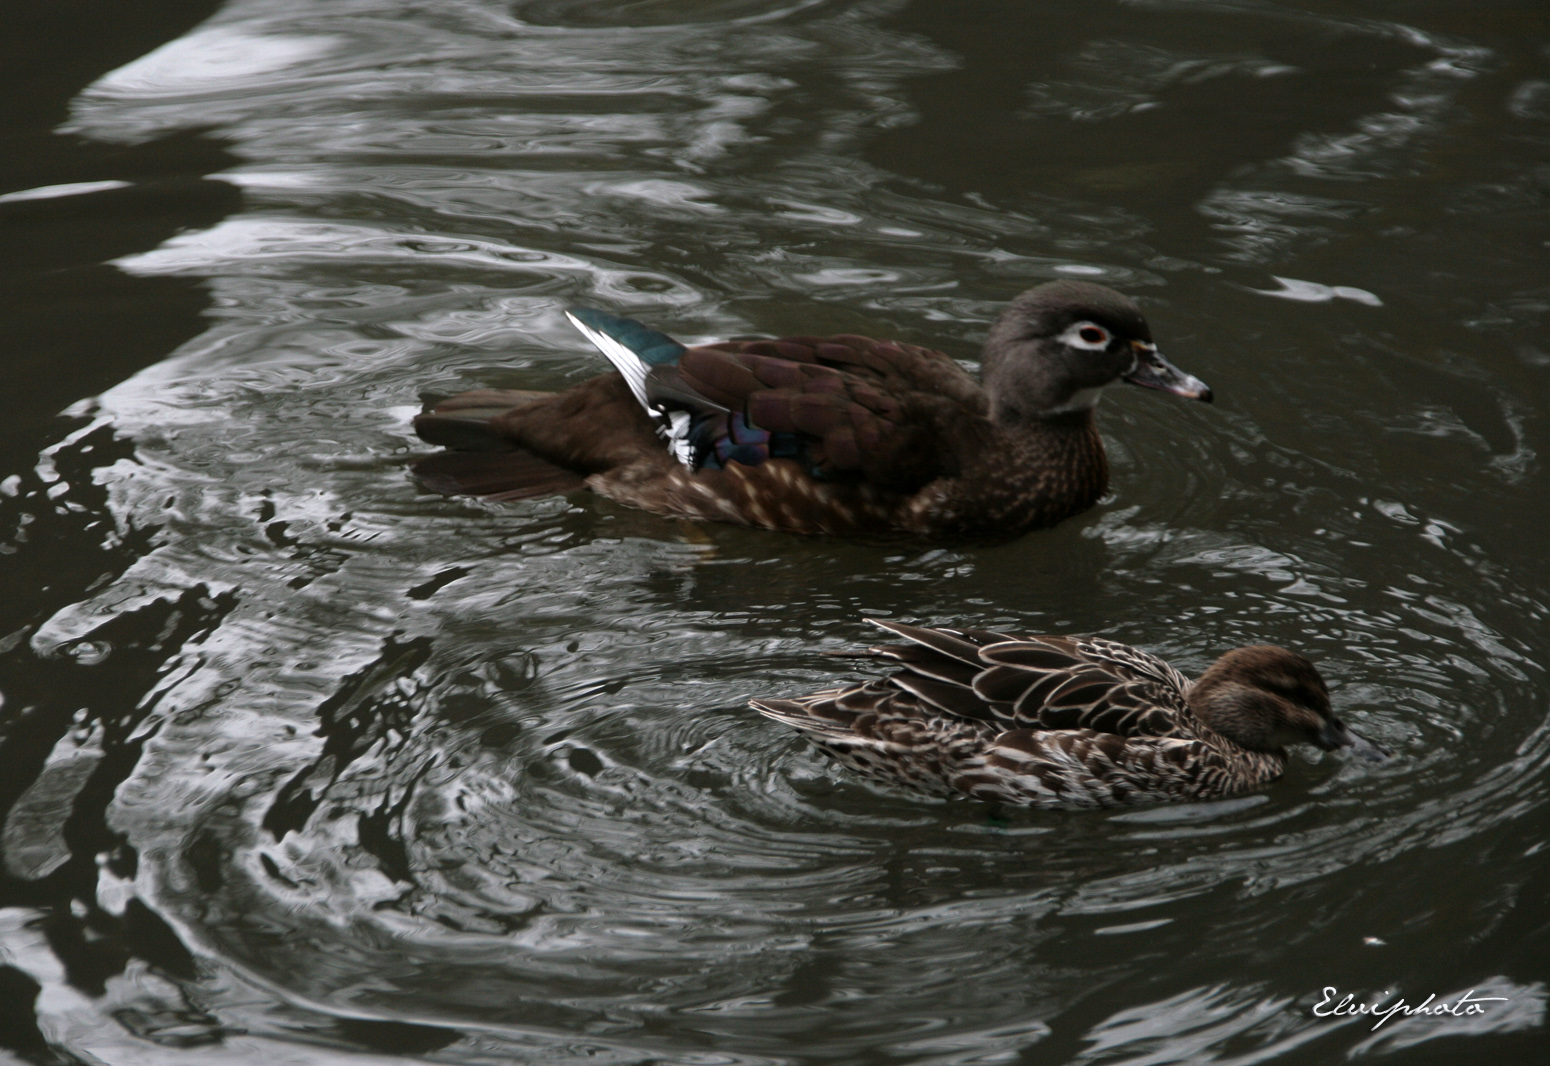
column 483, row 772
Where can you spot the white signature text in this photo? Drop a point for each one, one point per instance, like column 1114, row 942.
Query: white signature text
column 1465, row 1005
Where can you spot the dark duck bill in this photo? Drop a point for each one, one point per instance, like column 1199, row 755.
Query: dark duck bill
column 1152, row 371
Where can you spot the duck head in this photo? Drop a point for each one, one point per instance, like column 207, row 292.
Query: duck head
column 1056, row 346
column 1263, row 698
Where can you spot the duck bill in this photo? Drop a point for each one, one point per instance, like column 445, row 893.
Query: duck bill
column 1152, row 371
column 1335, row 735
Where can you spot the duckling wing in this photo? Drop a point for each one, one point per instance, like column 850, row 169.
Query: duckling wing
column 844, row 406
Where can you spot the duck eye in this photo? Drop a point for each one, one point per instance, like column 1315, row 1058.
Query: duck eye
column 1093, row 335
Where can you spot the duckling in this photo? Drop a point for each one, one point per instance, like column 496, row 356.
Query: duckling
column 841, row 435
column 1068, row 722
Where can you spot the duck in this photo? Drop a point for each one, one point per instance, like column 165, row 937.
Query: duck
column 837, row 435
column 1068, row 722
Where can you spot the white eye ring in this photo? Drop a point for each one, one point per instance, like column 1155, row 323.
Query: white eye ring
column 1088, row 336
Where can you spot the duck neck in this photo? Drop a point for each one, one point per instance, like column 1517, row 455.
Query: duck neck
column 1241, row 713
column 1021, row 413
column 1021, row 393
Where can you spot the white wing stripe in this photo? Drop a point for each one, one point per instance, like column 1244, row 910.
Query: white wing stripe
column 678, row 438
column 672, row 426
column 632, row 366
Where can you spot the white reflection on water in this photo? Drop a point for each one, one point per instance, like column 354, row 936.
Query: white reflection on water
column 1515, row 1007
column 217, row 59
column 1197, row 1026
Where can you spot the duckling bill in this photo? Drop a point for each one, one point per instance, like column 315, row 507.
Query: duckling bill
column 822, row 435
column 1068, row 722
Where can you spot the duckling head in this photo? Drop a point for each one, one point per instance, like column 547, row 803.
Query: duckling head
column 1264, row 698
column 1055, row 347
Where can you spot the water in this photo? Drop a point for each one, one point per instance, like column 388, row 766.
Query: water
column 305, row 766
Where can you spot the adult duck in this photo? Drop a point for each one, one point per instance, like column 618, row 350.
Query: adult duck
column 1068, row 721
column 838, row 435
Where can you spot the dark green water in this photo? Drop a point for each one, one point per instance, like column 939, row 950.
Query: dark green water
column 300, row 766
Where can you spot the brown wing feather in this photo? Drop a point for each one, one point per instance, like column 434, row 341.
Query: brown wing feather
column 879, row 731
column 1038, row 683
column 863, row 408
column 1128, row 662
column 1064, row 687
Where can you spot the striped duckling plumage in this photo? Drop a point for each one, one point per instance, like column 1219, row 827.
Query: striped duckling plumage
column 837, row 435
column 1068, row 722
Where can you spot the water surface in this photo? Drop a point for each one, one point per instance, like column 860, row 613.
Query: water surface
column 304, row 764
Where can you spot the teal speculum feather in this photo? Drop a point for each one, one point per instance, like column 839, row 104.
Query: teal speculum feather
column 653, row 346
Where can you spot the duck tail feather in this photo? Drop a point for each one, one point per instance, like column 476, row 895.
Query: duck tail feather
column 464, row 421
column 815, row 714
column 494, row 475
column 495, row 401
column 461, row 434
column 943, row 641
